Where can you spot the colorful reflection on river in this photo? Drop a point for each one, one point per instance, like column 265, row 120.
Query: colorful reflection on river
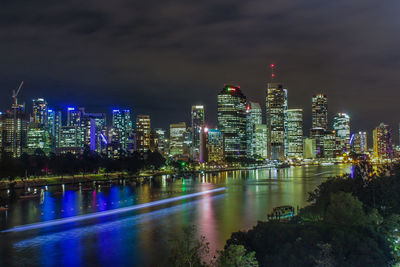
column 142, row 237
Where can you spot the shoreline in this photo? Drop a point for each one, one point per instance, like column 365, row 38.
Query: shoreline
column 110, row 177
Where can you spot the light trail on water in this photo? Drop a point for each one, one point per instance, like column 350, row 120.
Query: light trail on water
column 107, row 212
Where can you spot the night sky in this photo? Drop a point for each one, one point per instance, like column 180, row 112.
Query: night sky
column 160, row 57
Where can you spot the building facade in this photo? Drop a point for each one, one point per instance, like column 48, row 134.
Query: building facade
column 383, row 142
column 341, row 124
column 232, row 121
column 143, row 132
column 177, row 137
column 320, row 111
column 40, row 111
column 122, row 122
column 359, row 143
column 295, row 133
column 275, row 104
column 197, row 126
column 215, row 146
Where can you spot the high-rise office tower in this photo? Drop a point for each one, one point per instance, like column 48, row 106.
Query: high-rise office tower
column 203, row 151
column 14, row 130
column 309, row 148
column 259, row 144
column 38, row 137
column 121, row 120
column 329, row 144
column 187, row 143
column 275, row 104
column 232, row 120
column 215, row 146
column 39, row 111
column 54, row 123
column 177, row 137
column 320, row 111
column 359, row 143
column 143, row 132
column 383, row 147
column 318, row 135
column 92, row 127
column 74, row 117
column 162, row 141
column 197, row 126
column 319, row 122
column 254, row 117
column 341, row 124
column 285, row 119
column 294, row 133
column 70, row 140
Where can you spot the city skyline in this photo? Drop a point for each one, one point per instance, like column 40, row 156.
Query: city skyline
column 209, row 120
column 147, row 63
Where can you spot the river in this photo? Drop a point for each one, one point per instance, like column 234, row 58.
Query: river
column 142, row 237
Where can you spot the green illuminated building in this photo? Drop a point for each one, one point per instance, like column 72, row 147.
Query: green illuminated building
column 232, row 121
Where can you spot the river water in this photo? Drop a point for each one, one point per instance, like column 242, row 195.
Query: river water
column 143, row 237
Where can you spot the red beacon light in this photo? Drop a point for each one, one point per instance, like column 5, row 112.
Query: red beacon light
column 272, row 65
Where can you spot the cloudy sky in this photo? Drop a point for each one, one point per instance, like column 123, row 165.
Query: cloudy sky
column 161, row 56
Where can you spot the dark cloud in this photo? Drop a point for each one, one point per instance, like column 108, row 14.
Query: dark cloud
column 159, row 57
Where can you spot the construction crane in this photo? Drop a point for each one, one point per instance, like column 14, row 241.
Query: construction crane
column 16, row 92
column 15, row 107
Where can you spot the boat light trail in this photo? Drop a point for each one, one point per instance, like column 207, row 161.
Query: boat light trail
column 107, row 212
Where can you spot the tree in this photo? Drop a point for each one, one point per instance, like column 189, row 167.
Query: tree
column 345, row 209
column 325, row 258
column 237, row 256
column 188, row 251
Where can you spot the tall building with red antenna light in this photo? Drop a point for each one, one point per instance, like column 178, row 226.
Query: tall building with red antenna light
column 276, row 104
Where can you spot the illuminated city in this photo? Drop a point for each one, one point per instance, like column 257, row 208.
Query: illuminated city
column 199, row 134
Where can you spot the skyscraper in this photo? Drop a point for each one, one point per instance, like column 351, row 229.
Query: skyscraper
column 39, row 111
column 254, row 117
column 122, row 122
column 38, row 137
column 14, row 131
column 341, row 124
column 383, row 141
column 232, row 120
column 70, row 140
column 176, row 135
column 215, row 145
column 275, row 103
column 295, row 133
column 92, row 126
column 319, row 123
column 197, row 125
column 320, row 111
column 329, row 144
column 143, row 132
column 259, row 144
column 162, row 141
column 358, row 143
column 74, row 117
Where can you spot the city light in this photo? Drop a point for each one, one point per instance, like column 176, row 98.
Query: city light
column 108, row 212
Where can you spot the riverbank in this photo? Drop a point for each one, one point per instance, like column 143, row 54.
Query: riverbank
column 104, row 177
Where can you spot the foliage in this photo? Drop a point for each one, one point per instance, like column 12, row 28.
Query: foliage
column 39, row 164
column 237, row 256
column 344, row 209
column 187, row 250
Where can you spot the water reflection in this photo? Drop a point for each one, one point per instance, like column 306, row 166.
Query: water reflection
column 141, row 237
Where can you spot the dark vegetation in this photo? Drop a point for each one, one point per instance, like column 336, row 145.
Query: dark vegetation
column 39, row 164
